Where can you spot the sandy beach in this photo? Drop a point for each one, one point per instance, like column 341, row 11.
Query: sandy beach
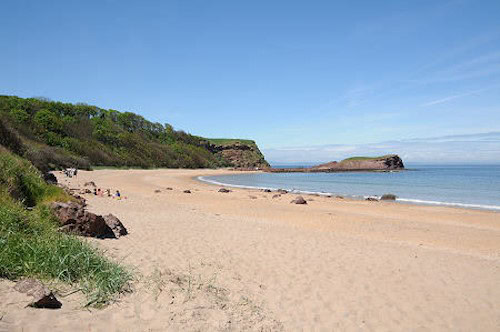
column 243, row 260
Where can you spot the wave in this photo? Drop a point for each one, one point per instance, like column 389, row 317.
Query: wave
column 402, row 200
column 462, row 205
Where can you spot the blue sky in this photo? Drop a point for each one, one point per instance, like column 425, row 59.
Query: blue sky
column 289, row 74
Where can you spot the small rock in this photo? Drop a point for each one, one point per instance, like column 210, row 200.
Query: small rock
column 42, row 296
column 187, row 191
column 157, row 191
column 266, row 190
column 168, row 188
column 276, row 196
column 299, row 200
column 224, row 190
column 388, row 197
column 116, row 225
column 50, row 178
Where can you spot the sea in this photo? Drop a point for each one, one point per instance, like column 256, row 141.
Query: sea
column 466, row 186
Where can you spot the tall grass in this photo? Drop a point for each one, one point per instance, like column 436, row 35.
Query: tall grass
column 31, row 246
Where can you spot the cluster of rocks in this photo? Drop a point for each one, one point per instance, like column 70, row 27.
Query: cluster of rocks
column 74, row 219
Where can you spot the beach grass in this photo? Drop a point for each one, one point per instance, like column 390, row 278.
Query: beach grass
column 31, row 246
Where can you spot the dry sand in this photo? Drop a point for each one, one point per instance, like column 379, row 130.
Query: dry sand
column 246, row 261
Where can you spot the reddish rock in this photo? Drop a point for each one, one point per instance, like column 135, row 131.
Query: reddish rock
column 116, row 225
column 299, row 200
column 42, row 296
column 76, row 220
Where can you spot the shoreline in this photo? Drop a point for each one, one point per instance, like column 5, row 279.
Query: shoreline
column 250, row 260
column 400, row 200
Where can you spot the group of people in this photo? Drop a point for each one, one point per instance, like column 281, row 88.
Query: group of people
column 99, row 192
column 70, row 172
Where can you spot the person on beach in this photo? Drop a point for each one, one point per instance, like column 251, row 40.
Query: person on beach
column 108, row 192
column 117, row 195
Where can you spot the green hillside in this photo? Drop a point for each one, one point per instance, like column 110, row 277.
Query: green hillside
column 55, row 134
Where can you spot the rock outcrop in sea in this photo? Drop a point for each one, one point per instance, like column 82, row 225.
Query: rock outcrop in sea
column 383, row 163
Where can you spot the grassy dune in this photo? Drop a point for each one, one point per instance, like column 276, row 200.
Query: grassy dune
column 31, row 246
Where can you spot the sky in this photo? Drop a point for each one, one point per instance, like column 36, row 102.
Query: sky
column 295, row 76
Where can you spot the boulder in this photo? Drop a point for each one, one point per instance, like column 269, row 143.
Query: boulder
column 266, row 190
column 116, row 225
column 74, row 219
column 388, row 197
column 224, row 190
column 299, row 200
column 50, row 178
column 42, row 296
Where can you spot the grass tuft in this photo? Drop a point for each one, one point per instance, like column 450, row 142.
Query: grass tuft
column 31, row 246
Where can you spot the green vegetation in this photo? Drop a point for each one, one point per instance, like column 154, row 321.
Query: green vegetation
column 229, row 141
column 31, row 246
column 368, row 158
column 56, row 135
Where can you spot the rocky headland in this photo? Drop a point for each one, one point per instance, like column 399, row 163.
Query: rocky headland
column 390, row 162
column 238, row 153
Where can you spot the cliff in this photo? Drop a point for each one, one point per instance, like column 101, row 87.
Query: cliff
column 382, row 163
column 237, row 153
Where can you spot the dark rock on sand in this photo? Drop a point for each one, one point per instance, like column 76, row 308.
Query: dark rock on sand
column 50, row 178
column 224, row 190
column 42, row 296
column 116, row 225
column 157, row 191
column 187, row 191
column 74, row 219
column 168, row 188
column 388, row 197
column 299, row 200
column 266, row 190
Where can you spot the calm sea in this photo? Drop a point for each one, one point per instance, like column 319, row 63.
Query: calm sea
column 470, row 186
